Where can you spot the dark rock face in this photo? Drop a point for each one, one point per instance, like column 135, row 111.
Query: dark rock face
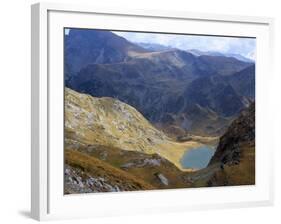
column 214, row 93
column 220, row 65
column 84, row 47
column 244, row 82
column 194, row 92
column 242, row 130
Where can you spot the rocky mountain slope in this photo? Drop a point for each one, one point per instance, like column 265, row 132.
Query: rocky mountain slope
column 234, row 160
column 109, row 146
column 243, row 82
column 88, row 46
column 236, row 152
column 166, row 86
column 214, row 53
column 109, row 122
column 85, row 174
column 111, row 163
column 241, row 131
column 131, row 113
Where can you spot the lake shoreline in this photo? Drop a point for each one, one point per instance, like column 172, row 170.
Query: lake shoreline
column 197, row 158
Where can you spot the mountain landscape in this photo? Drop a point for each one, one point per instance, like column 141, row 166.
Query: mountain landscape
column 133, row 111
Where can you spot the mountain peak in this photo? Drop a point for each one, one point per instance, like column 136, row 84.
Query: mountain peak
column 89, row 46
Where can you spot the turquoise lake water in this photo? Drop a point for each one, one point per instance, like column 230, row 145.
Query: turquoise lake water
column 197, row 158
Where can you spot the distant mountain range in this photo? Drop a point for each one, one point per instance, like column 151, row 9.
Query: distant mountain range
column 153, row 46
column 197, row 93
column 214, row 53
column 159, row 47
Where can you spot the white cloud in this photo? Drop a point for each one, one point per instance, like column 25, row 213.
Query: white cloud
column 233, row 45
column 66, row 31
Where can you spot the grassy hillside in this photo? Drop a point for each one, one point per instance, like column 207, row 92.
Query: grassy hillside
column 242, row 173
column 237, row 174
column 110, row 146
column 89, row 174
column 234, row 160
column 148, row 167
column 109, row 122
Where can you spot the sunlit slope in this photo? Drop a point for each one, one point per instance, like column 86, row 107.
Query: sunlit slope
column 86, row 174
column 110, row 122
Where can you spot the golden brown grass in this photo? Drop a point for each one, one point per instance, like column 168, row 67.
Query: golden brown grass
column 107, row 121
column 240, row 174
column 118, row 158
column 97, row 168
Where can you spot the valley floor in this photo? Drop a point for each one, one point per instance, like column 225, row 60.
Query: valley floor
column 110, row 146
column 102, row 169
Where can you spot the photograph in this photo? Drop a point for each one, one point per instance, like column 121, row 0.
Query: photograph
column 155, row 111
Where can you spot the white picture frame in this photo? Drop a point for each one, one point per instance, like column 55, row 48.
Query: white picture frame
column 48, row 201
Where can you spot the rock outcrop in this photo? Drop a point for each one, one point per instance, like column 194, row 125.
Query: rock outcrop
column 87, row 174
column 235, row 155
column 241, row 131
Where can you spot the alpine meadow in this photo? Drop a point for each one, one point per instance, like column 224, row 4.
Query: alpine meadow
column 145, row 111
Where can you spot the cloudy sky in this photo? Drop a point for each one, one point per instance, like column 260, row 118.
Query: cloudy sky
column 231, row 45
column 242, row 46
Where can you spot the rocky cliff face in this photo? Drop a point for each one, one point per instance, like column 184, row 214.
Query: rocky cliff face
column 241, row 131
column 234, row 160
column 235, row 154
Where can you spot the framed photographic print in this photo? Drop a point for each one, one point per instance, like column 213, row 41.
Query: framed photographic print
column 148, row 111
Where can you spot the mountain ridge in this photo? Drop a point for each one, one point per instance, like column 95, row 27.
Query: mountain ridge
column 109, row 122
column 159, row 84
